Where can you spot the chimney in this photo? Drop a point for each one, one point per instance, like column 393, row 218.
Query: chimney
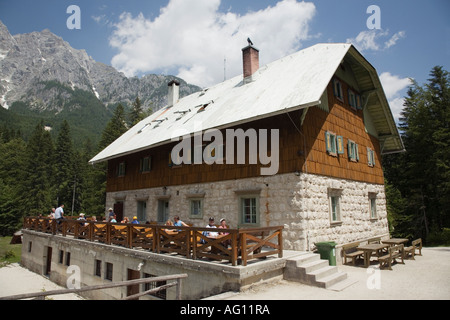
column 174, row 93
column 250, row 57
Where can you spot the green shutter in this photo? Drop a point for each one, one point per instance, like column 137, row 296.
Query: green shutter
column 340, row 144
column 328, row 141
column 356, row 151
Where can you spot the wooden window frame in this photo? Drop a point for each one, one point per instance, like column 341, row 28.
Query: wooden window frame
column 121, row 169
column 143, row 168
column 335, row 213
column 352, row 149
column 370, row 157
column 338, row 89
column 331, row 143
column 373, row 214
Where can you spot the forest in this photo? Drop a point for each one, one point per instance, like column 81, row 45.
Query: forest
column 40, row 172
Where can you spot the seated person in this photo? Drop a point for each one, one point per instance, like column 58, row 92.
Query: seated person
column 178, row 222
column 211, row 234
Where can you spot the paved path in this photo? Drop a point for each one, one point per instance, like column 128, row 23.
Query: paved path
column 426, row 278
column 15, row 279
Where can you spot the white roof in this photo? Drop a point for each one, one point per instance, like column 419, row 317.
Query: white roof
column 293, row 82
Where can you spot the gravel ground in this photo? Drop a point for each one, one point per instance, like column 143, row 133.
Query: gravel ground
column 426, row 278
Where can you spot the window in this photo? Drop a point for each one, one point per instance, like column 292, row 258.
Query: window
column 146, row 164
column 67, row 258
column 334, row 198
column 98, row 268
column 331, row 143
column 353, row 151
column 358, row 102
column 249, row 210
column 196, row 208
column 152, row 285
column 121, row 169
column 61, row 256
column 30, row 245
column 337, row 89
column 109, row 271
column 373, row 205
column 352, row 99
column 370, row 157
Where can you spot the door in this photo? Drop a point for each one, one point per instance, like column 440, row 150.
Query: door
column 48, row 261
column 118, row 210
column 163, row 211
column 142, row 211
column 133, row 289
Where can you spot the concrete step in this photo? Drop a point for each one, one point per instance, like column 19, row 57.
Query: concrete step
column 309, row 269
column 299, row 260
column 331, row 280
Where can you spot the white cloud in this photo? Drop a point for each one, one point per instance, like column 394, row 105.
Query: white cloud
column 191, row 38
column 393, row 40
column 369, row 40
column 394, row 87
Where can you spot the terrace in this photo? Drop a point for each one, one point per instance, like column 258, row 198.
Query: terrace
column 235, row 246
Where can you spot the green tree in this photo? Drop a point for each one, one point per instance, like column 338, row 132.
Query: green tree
column 36, row 196
column 137, row 113
column 421, row 174
column 65, row 175
column 11, row 176
column 94, row 195
column 114, row 128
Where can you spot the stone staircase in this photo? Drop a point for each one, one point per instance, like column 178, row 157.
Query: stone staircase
column 309, row 269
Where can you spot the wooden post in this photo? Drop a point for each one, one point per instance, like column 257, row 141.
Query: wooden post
column 280, row 243
column 244, row 248
column 179, row 289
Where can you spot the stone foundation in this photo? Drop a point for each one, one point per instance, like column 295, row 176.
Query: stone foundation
column 300, row 203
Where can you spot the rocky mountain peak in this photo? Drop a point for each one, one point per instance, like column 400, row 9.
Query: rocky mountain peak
column 29, row 62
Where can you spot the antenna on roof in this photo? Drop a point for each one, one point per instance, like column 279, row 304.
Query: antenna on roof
column 224, row 68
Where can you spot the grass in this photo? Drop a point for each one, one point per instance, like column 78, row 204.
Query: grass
column 9, row 253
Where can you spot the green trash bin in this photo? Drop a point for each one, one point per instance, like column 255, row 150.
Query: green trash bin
column 327, row 251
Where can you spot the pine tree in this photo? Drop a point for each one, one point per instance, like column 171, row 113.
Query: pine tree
column 63, row 157
column 421, row 174
column 137, row 113
column 12, row 175
column 115, row 128
column 36, row 195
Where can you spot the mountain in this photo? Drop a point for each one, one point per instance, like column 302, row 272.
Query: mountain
column 41, row 75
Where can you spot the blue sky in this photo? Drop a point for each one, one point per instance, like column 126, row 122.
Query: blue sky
column 192, row 38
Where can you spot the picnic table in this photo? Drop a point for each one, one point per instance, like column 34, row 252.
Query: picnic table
column 368, row 249
column 395, row 241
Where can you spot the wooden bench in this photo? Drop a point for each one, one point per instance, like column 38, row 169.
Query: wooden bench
column 411, row 250
column 350, row 251
column 374, row 240
column 394, row 252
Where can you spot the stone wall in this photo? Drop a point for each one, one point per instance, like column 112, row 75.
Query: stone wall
column 299, row 202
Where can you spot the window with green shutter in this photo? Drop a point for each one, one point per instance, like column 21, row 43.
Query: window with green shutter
column 352, row 151
column 331, row 143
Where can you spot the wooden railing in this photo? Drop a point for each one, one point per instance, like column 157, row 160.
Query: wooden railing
column 234, row 245
column 177, row 277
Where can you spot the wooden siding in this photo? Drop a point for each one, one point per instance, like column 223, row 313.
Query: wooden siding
column 341, row 119
column 348, row 123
